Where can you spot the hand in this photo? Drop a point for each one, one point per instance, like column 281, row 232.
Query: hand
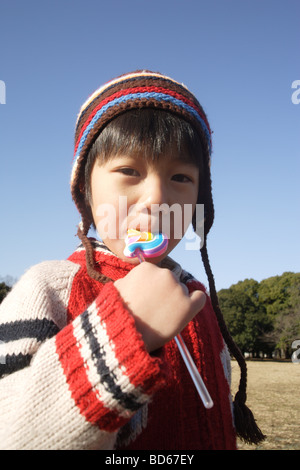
column 160, row 304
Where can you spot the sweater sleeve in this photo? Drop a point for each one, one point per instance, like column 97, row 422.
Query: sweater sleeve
column 69, row 386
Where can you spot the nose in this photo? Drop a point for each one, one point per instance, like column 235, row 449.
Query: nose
column 154, row 191
column 153, row 202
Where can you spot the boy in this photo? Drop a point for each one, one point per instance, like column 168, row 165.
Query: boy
column 90, row 359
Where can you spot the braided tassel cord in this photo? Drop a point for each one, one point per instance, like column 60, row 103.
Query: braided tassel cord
column 246, row 427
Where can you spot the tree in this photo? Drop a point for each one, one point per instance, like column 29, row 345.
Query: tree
column 264, row 317
column 246, row 316
column 286, row 330
column 279, row 292
column 281, row 297
column 4, row 289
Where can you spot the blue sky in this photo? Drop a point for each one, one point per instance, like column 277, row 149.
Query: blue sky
column 240, row 59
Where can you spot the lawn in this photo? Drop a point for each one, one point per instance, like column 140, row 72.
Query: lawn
column 274, row 398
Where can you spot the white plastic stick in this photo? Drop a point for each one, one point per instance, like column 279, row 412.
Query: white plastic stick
column 196, row 377
column 191, row 367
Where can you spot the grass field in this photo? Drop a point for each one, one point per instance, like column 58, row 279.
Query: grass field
column 274, row 398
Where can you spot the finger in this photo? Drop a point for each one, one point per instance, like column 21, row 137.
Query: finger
column 185, row 289
column 198, row 300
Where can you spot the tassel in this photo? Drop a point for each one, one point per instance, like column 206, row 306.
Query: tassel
column 245, row 424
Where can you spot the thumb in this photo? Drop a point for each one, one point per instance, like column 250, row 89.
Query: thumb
column 198, row 300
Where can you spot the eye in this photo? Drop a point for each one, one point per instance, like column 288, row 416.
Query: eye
column 128, row 171
column 181, row 178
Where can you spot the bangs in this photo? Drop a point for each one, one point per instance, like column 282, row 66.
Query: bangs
column 149, row 133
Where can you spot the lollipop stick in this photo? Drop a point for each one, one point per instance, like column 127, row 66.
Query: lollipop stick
column 196, row 377
column 191, row 367
column 139, row 255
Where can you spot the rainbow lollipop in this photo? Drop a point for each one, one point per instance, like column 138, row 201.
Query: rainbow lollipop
column 143, row 245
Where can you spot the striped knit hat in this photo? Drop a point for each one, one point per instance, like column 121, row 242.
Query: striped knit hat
column 140, row 89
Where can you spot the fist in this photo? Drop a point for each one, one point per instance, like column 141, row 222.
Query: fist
column 160, row 304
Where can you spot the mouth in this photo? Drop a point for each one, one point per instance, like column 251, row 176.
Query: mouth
column 139, row 235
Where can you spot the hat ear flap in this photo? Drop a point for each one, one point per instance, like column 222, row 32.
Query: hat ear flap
column 205, row 198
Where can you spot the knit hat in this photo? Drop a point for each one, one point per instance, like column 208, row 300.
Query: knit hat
column 136, row 90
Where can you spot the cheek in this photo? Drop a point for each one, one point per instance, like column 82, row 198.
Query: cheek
column 181, row 219
column 104, row 214
column 111, row 217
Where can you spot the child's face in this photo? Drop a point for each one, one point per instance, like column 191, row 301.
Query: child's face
column 131, row 192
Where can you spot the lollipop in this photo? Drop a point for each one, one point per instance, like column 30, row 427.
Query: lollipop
column 143, row 245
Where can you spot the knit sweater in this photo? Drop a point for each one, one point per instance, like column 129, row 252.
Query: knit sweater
column 75, row 373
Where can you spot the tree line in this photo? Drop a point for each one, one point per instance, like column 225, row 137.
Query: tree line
column 263, row 317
